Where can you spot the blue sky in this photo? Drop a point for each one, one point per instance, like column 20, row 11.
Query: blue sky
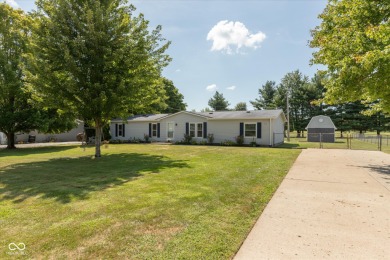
column 230, row 46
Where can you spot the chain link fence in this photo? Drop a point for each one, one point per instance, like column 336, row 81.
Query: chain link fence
column 381, row 142
column 354, row 141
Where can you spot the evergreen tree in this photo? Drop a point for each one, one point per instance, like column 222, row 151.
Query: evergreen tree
column 218, row 102
column 267, row 96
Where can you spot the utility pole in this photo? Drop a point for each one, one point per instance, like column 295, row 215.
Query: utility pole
column 288, row 115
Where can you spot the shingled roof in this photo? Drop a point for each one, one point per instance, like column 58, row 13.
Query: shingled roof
column 321, row 122
column 215, row 115
column 253, row 114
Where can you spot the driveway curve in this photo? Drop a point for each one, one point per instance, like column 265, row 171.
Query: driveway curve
column 332, row 204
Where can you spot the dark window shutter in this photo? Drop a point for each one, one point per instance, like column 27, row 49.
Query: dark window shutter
column 150, row 129
column 123, row 130
column 259, row 130
column 204, row 129
column 116, row 130
column 242, row 129
column 158, row 130
column 187, row 128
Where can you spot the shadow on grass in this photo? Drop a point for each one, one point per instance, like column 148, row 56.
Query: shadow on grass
column 75, row 178
column 290, row 146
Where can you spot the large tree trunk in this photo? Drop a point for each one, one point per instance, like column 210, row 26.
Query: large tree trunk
column 98, row 138
column 11, row 141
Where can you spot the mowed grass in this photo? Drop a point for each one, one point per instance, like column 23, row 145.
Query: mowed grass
column 137, row 201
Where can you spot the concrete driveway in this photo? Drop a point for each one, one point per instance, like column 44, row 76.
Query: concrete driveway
column 332, row 204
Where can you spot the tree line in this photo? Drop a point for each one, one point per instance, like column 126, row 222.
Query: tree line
column 90, row 60
column 306, row 100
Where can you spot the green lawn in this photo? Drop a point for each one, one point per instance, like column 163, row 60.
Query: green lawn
column 136, row 202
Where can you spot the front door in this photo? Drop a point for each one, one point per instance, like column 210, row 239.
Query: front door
column 171, row 131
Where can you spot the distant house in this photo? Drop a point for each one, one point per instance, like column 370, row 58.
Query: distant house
column 42, row 138
column 321, row 129
column 265, row 127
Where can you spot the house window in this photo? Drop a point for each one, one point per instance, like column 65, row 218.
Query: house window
column 120, row 130
column 154, row 130
column 170, row 130
column 196, row 129
column 199, row 130
column 192, row 129
column 250, row 130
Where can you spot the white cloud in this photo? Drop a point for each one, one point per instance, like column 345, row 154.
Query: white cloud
column 228, row 35
column 12, row 3
column 231, row 88
column 178, row 70
column 211, row 87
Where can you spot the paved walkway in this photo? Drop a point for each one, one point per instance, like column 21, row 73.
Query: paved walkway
column 332, row 204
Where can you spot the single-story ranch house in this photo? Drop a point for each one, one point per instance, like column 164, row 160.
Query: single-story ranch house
column 265, row 127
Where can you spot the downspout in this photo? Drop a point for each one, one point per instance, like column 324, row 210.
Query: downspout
column 270, row 133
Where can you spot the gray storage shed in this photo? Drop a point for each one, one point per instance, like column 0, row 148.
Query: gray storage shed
column 321, row 129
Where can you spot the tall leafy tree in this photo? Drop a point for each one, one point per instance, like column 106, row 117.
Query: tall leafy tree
column 302, row 95
column 218, row 102
column 294, row 83
column 96, row 58
column 353, row 42
column 241, row 106
column 175, row 100
column 17, row 111
column 267, row 96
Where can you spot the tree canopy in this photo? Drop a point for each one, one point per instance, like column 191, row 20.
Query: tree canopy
column 175, row 100
column 241, row 106
column 17, row 111
column 266, row 96
column 218, row 102
column 96, row 58
column 353, row 42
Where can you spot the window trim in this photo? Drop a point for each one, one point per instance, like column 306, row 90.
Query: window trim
column 196, row 130
column 250, row 123
column 154, row 130
column 173, row 131
column 120, row 129
column 201, row 130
